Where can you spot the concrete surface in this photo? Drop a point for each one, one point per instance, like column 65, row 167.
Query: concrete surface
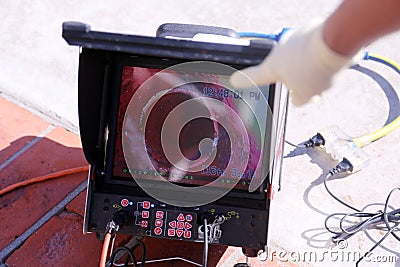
column 39, row 70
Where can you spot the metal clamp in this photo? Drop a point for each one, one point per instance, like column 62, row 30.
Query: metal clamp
column 214, row 231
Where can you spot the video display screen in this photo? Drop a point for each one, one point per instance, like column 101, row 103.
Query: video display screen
column 166, row 128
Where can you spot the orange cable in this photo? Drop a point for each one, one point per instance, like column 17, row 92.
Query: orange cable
column 104, row 251
column 43, row 178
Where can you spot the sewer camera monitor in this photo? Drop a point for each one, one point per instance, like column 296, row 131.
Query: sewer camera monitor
column 174, row 150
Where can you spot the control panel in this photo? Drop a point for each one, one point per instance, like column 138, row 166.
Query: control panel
column 162, row 222
column 175, row 224
column 236, row 226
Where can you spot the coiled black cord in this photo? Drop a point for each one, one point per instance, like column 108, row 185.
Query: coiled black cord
column 367, row 219
column 130, row 255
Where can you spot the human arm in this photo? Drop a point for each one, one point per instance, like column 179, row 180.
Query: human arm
column 307, row 59
column 357, row 23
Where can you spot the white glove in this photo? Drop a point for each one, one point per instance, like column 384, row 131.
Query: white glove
column 301, row 60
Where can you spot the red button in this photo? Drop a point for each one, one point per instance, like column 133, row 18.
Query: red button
column 180, row 225
column 172, row 224
column 179, row 233
column 145, row 214
column 157, row 231
column 181, row 217
column 187, row 234
column 144, row 224
column 187, row 225
column 146, row 205
column 189, row 217
column 159, row 214
column 171, row 232
column 124, row 202
column 158, row 223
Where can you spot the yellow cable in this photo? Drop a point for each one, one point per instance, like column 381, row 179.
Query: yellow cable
column 387, row 60
column 369, row 138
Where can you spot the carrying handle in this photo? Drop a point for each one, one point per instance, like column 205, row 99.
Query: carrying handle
column 190, row 30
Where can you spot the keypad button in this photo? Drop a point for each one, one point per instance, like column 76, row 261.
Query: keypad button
column 180, row 225
column 172, row 224
column 159, row 214
column 171, row 232
column 187, row 234
column 146, row 205
column 189, row 217
column 179, row 233
column 158, row 223
column 157, row 231
column 181, row 217
column 187, row 226
column 145, row 214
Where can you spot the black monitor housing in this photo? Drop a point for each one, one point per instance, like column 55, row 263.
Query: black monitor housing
column 112, row 69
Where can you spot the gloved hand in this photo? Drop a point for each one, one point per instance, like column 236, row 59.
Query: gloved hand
column 301, row 60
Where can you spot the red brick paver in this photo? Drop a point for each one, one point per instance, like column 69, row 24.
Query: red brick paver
column 21, row 208
column 17, row 130
column 60, row 241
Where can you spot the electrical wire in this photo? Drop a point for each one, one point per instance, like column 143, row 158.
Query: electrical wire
column 369, row 138
column 43, row 178
column 143, row 251
column 384, row 60
column 335, row 197
column 271, row 36
column 367, row 219
column 205, row 250
column 106, row 244
column 112, row 244
column 258, row 35
column 130, row 254
column 127, row 262
column 111, row 231
column 294, row 145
